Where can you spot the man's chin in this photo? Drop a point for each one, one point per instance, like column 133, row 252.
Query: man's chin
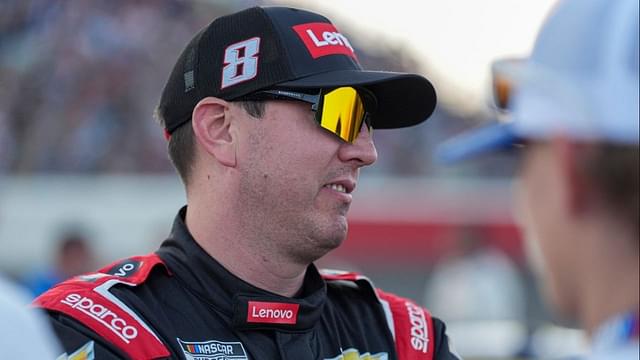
column 332, row 240
column 322, row 245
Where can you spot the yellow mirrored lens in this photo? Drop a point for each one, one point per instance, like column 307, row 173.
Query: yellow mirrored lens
column 342, row 113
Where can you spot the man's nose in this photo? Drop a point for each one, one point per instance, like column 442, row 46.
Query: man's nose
column 362, row 150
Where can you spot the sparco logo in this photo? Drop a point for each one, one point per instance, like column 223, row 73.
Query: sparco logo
column 103, row 315
column 419, row 332
column 272, row 313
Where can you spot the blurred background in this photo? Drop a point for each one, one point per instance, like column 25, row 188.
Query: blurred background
column 85, row 178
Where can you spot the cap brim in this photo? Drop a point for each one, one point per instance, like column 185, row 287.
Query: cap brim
column 403, row 99
column 489, row 138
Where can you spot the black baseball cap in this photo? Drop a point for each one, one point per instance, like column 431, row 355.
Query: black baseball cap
column 280, row 47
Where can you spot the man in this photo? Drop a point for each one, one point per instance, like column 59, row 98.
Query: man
column 268, row 115
column 574, row 107
column 73, row 256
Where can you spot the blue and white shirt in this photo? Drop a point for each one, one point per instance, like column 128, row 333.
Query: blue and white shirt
column 617, row 339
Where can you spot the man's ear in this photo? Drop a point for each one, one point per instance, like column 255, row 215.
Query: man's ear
column 212, row 129
column 569, row 156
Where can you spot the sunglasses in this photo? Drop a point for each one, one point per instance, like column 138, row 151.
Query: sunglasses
column 503, row 84
column 341, row 111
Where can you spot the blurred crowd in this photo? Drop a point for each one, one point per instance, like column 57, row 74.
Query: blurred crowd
column 80, row 81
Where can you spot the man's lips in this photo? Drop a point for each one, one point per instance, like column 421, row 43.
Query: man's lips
column 345, row 186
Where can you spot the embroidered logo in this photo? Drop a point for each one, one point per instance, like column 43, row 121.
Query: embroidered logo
column 103, row 315
column 213, row 350
column 240, row 62
column 272, row 312
column 125, row 269
column 84, row 353
column 322, row 39
column 353, row 354
column 419, row 332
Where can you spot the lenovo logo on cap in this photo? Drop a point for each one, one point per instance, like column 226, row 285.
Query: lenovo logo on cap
column 272, row 313
column 322, row 39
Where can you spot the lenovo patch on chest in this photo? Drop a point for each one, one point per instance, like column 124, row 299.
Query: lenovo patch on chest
column 213, row 350
column 262, row 312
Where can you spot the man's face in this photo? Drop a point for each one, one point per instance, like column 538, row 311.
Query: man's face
column 542, row 214
column 296, row 178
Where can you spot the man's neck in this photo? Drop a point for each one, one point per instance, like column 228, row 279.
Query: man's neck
column 242, row 255
column 610, row 284
column 613, row 298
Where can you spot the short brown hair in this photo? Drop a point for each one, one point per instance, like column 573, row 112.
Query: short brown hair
column 181, row 145
column 614, row 170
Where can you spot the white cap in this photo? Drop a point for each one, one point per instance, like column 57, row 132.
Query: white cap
column 581, row 81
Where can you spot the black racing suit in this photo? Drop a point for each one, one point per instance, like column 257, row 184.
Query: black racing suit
column 180, row 303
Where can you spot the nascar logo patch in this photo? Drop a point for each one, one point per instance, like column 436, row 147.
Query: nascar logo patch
column 213, row 350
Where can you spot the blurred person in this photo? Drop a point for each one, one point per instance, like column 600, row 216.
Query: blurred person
column 477, row 290
column 24, row 332
column 269, row 119
column 573, row 109
column 73, row 256
column 474, row 267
